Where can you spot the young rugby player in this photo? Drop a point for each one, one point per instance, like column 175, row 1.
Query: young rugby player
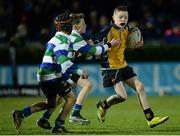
column 115, row 70
column 53, row 71
column 81, row 46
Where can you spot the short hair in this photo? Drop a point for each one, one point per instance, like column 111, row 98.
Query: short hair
column 75, row 17
column 63, row 22
column 120, row 8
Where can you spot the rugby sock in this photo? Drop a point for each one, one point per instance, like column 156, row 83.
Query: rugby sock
column 149, row 114
column 104, row 105
column 76, row 109
column 46, row 115
column 26, row 112
column 59, row 123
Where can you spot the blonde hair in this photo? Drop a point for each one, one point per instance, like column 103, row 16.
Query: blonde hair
column 76, row 17
column 120, row 8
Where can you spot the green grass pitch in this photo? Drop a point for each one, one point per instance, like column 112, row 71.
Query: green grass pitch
column 126, row 118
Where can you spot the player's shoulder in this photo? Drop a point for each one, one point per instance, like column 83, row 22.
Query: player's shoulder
column 106, row 28
column 99, row 36
column 76, row 37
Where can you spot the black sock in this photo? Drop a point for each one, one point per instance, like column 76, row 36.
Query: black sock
column 149, row 114
column 104, row 105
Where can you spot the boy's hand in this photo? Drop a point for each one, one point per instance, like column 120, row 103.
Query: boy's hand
column 85, row 75
column 139, row 43
column 91, row 42
column 115, row 42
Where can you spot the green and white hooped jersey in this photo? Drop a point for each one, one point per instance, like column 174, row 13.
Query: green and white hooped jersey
column 55, row 63
column 81, row 46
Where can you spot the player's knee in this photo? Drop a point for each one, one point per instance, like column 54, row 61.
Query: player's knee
column 89, row 85
column 140, row 88
column 122, row 98
column 72, row 99
column 51, row 105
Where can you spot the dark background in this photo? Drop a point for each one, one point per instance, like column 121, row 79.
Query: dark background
column 156, row 18
column 28, row 24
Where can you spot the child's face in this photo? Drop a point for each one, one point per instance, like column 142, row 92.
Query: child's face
column 120, row 18
column 81, row 27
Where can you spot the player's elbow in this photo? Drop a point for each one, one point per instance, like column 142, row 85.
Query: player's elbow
column 86, row 84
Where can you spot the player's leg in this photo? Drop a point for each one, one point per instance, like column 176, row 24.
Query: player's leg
column 139, row 87
column 43, row 121
column 111, row 78
column 40, row 106
column 36, row 107
column 86, row 86
column 19, row 115
column 60, row 120
column 120, row 96
column 49, row 89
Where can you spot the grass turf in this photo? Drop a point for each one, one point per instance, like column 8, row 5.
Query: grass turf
column 126, row 118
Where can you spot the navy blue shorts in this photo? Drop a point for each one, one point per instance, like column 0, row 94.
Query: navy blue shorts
column 74, row 77
column 53, row 87
column 111, row 77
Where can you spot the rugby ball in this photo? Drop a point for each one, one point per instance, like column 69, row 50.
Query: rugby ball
column 133, row 36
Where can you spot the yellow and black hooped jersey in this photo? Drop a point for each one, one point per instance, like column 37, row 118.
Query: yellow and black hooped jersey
column 114, row 57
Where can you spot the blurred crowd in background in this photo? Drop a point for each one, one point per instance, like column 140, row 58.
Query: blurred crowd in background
column 32, row 20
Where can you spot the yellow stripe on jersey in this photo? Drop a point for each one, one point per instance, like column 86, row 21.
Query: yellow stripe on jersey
column 116, row 58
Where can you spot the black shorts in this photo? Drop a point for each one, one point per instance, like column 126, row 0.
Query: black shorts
column 74, row 77
column 53, row 87
column 111, row 77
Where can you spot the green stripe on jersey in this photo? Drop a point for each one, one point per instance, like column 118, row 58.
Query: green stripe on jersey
column 45, row 71
column 62, row 59
column 49, row 53
column 62, row 38
column 78, row 38
column 92, row 51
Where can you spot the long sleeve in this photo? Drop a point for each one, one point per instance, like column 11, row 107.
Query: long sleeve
column 80, row 45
